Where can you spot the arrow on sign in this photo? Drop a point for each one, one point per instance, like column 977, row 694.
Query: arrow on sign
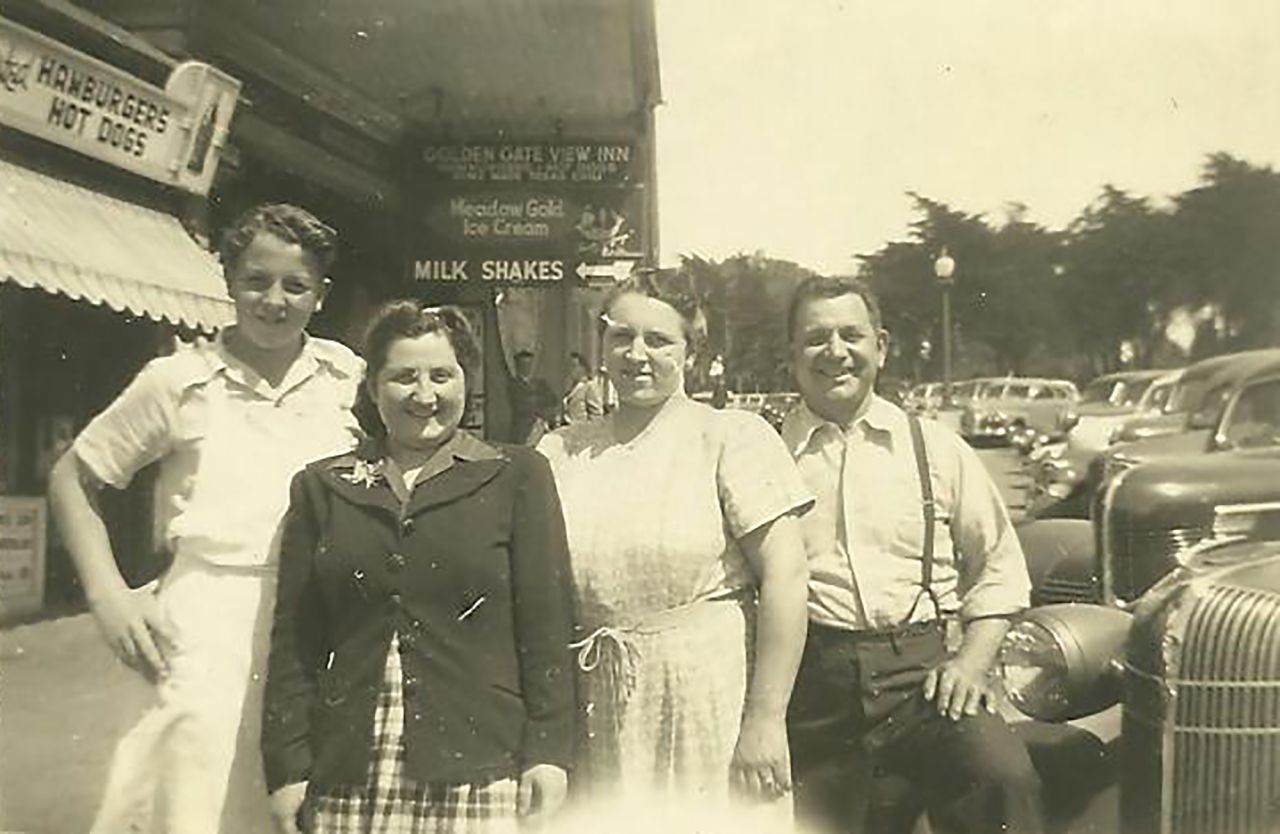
column 616, row 271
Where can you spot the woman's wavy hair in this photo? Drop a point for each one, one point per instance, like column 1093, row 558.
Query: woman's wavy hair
column 408, row 319
column 675, row 288
column 287, row 222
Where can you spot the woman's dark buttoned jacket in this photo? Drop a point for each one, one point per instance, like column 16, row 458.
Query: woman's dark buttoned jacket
column 472, row 573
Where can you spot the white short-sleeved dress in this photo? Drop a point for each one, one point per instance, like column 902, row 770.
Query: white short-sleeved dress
column 665, row 598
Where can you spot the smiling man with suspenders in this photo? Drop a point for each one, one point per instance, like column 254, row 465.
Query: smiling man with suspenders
column 908, row 532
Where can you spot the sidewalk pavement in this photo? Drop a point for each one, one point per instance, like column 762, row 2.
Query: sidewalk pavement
column 64, row 702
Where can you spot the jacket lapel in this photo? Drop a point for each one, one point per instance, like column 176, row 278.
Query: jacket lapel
column 460, row 479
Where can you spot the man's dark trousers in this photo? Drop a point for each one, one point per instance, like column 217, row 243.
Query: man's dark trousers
column 859, row 712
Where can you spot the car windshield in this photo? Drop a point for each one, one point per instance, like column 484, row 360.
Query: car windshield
column 1206, row 416
column 1255, row 419
column 1129, row 393
column 1099, row 391
column 1158, row 395
column 1187, row 396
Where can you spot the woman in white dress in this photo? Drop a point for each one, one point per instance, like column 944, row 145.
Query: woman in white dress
column 689, row 575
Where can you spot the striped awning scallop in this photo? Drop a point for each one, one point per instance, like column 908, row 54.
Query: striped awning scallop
column 70, row 240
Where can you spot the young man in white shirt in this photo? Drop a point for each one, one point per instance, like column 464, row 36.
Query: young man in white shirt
column 228, row 423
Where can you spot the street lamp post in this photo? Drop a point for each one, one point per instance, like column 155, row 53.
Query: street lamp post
column 944, row 269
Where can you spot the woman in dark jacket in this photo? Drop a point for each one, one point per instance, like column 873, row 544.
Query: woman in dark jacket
column 419, row 672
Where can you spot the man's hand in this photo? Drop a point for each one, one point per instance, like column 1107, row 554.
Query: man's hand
column 286, row 802
column 542, row 790
column 761, row 765
column 958, row 689
column 137, row 629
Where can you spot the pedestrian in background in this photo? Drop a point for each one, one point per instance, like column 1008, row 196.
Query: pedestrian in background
column 533, row 403
column 228, row 423
column 908, row 532
column 584, row 399
column 420, row 674
column 689, row 577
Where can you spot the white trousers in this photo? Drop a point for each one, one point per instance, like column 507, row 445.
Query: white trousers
column 192, row 764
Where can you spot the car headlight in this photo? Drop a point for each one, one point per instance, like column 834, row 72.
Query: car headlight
column 1058, row 662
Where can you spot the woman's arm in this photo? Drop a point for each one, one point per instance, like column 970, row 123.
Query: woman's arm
column 776, row 553
column 131, row 621
column 544, row 628
column 298, row 645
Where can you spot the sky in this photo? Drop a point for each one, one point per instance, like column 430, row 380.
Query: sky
column 796, row 127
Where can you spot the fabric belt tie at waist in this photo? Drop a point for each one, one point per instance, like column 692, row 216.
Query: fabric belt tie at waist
column 621, row 661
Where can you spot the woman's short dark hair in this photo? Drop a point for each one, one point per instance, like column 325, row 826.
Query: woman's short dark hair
column 831, row 286
column 675, row 288
column 408, row 319
column 287, row 222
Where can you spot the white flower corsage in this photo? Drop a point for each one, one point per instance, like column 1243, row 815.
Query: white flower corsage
column 364, row 473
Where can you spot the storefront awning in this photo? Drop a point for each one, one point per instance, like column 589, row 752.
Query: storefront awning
column 70, row 240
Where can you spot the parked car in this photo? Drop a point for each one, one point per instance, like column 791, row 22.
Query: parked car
column 1111, row 399
column 1200, row 393
column 1191, row 396
column 1195, row 666
column 924, row 399
column 1150, row 509
column 1106, row 403
column 1004, row 406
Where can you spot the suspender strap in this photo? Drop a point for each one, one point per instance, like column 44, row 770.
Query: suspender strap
column 926, row 496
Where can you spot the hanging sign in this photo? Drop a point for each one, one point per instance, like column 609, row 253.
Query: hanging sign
column 172, row 135
column 533, row 214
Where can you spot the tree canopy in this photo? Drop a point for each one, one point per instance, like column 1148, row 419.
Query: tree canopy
column 1093, row 297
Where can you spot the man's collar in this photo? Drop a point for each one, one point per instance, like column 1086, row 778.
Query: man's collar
column 802, row 423
column 314, row 353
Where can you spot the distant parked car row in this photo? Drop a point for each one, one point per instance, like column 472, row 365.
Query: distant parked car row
column 1179, row 418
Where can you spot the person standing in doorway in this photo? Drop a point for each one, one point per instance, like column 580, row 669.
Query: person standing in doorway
column 584, row 400
column 533, row 403
column 908, row 534
column 228, row 423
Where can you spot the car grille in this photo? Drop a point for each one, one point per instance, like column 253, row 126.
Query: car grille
column 1141, row 556
column 1202, row 744
column 1226, row 744
column 1056, row 589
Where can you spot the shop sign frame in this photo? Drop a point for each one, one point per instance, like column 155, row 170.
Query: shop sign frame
column 172, row 135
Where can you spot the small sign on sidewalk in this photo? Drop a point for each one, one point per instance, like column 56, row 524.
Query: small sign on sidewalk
column 22, row 555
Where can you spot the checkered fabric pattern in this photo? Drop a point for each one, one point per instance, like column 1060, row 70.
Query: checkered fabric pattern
column 390, row 803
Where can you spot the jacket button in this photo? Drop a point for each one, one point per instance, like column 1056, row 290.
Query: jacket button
column 406, row 526
column 396, row 562
column 410, row 687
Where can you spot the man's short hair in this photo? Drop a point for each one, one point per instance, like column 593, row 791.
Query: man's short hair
column 287, row 222
column 831, row 286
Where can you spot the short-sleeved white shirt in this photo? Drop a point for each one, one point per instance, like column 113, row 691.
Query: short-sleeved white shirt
column 228, row 443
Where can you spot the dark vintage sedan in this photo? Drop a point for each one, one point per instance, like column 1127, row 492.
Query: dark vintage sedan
column 1195, row 666
column 1149, row 509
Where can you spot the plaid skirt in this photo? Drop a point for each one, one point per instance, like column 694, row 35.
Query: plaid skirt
column 391, row 803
